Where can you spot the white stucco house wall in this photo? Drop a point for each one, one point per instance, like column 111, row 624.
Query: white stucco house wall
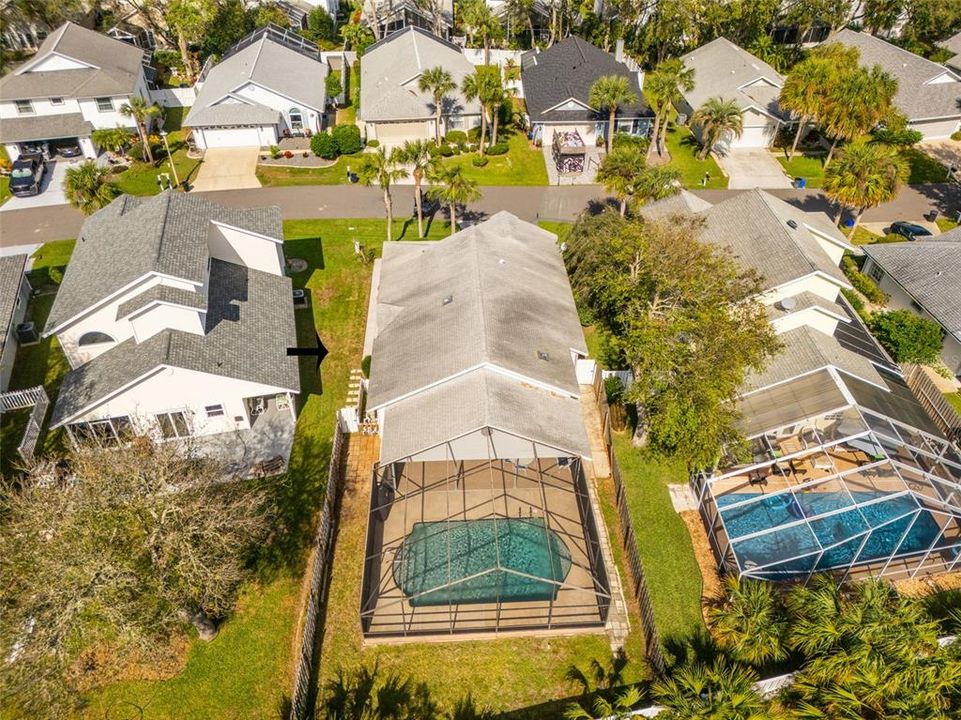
column 269, row 85
column 75, row 84
column 185, row 340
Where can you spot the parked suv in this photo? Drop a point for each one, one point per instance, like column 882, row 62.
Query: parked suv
column 908, row 230
column 26, row 175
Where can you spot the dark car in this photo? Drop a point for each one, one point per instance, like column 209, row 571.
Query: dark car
column 26, row 175
column 69, row 151
column 911, row 231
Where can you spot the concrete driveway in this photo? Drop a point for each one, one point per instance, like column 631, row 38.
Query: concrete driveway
column 228, row 169
column 752, row 168
column 51, row 188
column 948, row 152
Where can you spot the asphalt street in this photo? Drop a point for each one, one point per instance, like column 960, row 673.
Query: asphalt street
column 32, row 226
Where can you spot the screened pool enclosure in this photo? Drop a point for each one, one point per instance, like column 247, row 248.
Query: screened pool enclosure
column 838, row 476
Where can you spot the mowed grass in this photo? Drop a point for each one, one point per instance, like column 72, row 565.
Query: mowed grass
column 923, row 168
column 4, row 189
column 663, row 542
column 141, row 177
column 684, row 151
column 809, row 167
column 335, row 174
column 522, row 164
column 561, row 229
column 954, row 399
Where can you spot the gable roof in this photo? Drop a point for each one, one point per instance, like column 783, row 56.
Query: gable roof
column 917, row 97
column 566, row 70
column 115, row 67
column 930, row 272
column 266, row 61
column 953, row 43
column 509, row 300
column 170, row 239
column 249, row 325
column 390, row 71
column 11, row 277
column 723, row 69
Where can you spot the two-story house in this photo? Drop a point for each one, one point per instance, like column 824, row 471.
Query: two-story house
column 75, row 84
column 179, row 329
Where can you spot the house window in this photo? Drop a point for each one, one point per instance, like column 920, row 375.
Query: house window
column 110, row 431
column 875, row 273
column 173, row 425
column 455, row 122
column 104, row 104
column 214, row 411
column 94, row 338
column 56, row 101
column 296, row 119
column 24, row 107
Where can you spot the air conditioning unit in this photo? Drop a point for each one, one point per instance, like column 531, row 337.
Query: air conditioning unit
column 682, row 118
column 27, row 333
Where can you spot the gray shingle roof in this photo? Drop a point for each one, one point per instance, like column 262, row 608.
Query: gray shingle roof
column 510, row 300
column 804, row 301
column 170, row 239
column 482, row 398
column 917, row 97
column 115, row 67
column 267, row 63
column 723, row 69
column 165, row 294
column 44, row 127
column 930, row 272
column 953, row 43
column 11, row 276
column 681, row 203
column 567, row 70
column 249, row 326
column 391, row 70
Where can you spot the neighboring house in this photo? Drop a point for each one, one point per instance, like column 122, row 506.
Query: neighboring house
column 179, row 330
column 393, row 108
column 434, row 16
column 924, row 277
column 539, row 16
column 557, row 85
column 722, row 69
column 929, row 94
column 843, row 471
column 75, row 84
column 474, row 393
column 953, row 45
column 269, row 85
column 14, row 295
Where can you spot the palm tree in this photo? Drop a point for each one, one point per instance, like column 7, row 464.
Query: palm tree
column 142, row 112
column 610, row 92
column 115, row 138
column 453, row 189
column 483, row 85
column 88, row 187
column 716, row 118
column 383, row 169
column 620, row 709
column 751, row 622
column 856, row 104
column 864, row 176
column 619, row 173
column 417, row 154
column 439, row 83
column 719, row 690
column 498, row 98
column 663, row 88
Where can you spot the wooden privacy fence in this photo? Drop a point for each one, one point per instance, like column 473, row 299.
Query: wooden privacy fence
column 302, row 697
column 944, row 416
column 19, row 399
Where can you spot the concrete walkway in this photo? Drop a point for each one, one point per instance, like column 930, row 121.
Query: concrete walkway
column 228, row 169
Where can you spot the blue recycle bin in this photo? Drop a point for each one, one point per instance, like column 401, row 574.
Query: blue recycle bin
column 800, row 183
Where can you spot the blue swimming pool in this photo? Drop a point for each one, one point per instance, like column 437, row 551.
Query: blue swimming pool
column 846, row 530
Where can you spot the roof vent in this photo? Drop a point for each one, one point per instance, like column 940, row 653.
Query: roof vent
column 502, row 261
column 792, row 224
column 541, row 355
column 787, row 304
column 448, row 299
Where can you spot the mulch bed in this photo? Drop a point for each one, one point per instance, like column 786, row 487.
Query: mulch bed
column 712, row 587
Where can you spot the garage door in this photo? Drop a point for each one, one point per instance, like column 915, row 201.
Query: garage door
column 757, row 136
column 395, row 133
column 231, row 137
column 937, row 129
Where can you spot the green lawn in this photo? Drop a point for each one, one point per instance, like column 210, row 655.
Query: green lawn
column 53, row 254
column 810, row 167
column 521, row 165
column 335, row 174
column 924, row 168
column 141, row 177
column 561, row 229
column 954, row 399
column 684, row 150
column 664, row 544
column 4, row 189
column 863, row 237
column 944, row 224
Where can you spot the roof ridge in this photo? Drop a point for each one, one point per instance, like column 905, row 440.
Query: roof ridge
column 478, row 279
column 901, row 50
column 761, row 194
column 167, row 196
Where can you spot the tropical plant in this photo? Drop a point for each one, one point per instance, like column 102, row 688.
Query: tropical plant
column 663, row 88
column 600, row 675
column 439, row 83
column 484, row 85
column 188, row 18
column 620, row 709
column 477, row 19
column 382, row 168
column 882, row 15
column 363, row 694
column 750, row 622
column 610, row 92
column 356, row 36
column 716, row 118
column 115, row 138
column 764, row 48
column 423, row 163
column 909, row 338
column 453, row 188
column 88, row 187
column 143, row 113
column 857, row 102
column 624, row 173
column 864, row 176
column 722, row 690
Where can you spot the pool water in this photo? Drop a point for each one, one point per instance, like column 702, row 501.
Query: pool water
column 845, row 530
column 480, row 561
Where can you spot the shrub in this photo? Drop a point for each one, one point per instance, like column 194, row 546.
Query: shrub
column 456, row 136
column 288, row 154
column 365, row 366
column 332, row 84
column 855, row 300
column 136, row 151
column 373, row 143
column 446, row 150
column 55, row 274
column 455, row 149
column 906, row 336
column 956, row 136
column 462, row 146
column 614, row 389
column 348, row 139
column 892, row 136
column 891, row 238
column 323, row 145
column 865, row 285
column 474, row 134
column 632, row 141
column 499, row 148
column 479, row 161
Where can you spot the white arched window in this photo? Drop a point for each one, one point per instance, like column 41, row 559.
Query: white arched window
column 94, row 338
column 296, row 119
